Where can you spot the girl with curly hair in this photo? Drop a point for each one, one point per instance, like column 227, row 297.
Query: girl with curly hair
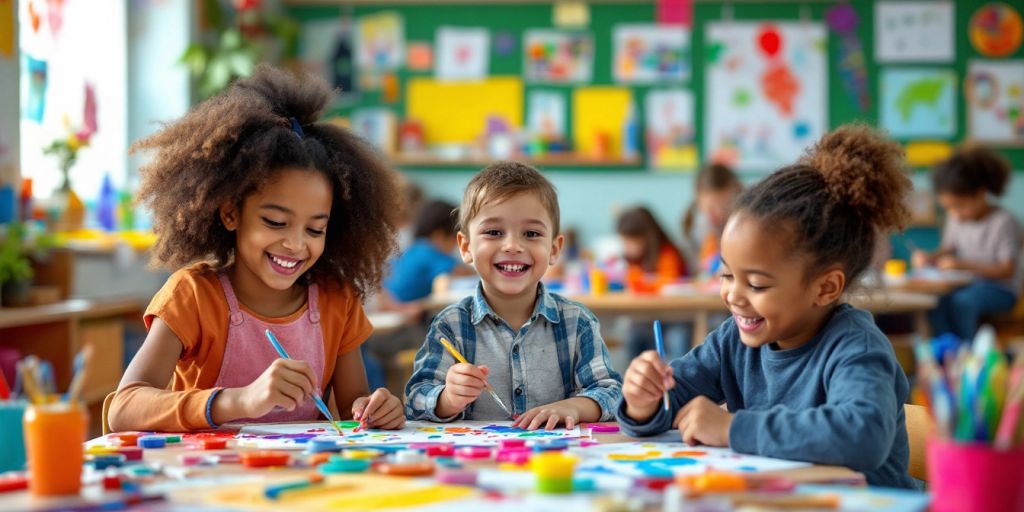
column 275, row 221
column 803, row 375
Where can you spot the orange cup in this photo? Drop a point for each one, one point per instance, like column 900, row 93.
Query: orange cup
column 54, row 434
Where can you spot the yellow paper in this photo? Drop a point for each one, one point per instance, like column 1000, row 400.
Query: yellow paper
column 597, row 110
column 927, row 154
column 571, row 14
column 456, row 112
column 7, row 28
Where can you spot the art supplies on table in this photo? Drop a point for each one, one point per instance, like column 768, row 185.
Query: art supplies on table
column 975, row 398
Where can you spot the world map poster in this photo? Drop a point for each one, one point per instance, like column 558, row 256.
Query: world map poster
column 766, row 86
column 918, row 102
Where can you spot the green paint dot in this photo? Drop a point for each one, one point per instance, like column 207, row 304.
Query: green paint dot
column 741, row 98
column 714, row 52
column 172, row 439
column 347, row 424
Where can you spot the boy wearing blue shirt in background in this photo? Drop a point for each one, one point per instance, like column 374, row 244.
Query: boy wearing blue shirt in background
column 542, row 354
column 430, row 255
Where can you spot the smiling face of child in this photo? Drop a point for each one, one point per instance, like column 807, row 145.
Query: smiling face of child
column 766, row 287
column 511, row 244
column 280, row 230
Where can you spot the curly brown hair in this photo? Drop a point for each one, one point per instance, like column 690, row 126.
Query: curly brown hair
column 228, row 146
column 971, row 169
column 835, row 201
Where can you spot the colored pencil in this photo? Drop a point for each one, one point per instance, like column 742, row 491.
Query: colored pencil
column 316, row 398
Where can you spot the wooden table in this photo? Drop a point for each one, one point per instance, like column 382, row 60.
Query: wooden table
column 698, row 303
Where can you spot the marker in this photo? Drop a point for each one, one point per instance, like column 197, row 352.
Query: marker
column 1005, row 436
column 455, row 353
column 319, row 402
column 659, row 344
column 5, row 390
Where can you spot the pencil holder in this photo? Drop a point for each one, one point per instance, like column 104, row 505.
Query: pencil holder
column 12, row 438
column 54, row 434
column 974, row 476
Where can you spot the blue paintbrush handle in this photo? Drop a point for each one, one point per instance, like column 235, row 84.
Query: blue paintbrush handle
column 284, row 355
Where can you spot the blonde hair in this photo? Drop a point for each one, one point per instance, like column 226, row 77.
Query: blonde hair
column 503, row 180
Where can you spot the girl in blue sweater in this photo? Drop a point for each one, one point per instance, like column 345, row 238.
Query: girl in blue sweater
column 803, row 375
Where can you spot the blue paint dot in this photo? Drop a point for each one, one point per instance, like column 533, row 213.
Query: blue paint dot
column 747, row 468
column 801, row 130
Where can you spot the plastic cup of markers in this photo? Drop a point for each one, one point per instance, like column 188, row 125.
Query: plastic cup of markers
column 12, row 438
column 54, row 434
column 974, row 476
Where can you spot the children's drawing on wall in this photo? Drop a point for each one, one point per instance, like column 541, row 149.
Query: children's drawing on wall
column 462, row 53
column 380, row 47
column 996, row 30
column 547, row 115
column 376, row 125
column 914, row 31
column 553, row 56
column 326, row 50
column 850, row 59
column 918, row 102
column 995, row 104
column 766, row 85
column 651, row 53
column 670, row 129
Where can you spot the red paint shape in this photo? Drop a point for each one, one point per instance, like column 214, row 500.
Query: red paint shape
column 770, row 41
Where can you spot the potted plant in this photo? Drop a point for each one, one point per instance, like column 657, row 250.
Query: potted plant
column 15, row 269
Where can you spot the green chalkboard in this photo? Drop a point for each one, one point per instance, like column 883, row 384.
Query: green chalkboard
column 421, row 22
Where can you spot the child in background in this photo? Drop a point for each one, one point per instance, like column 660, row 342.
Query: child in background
column 715, row 188
column 652, row 261
column 430, row 255
column 652, row 257
column 803, row 376
column 284, row 223
column 980, row 237
column 542, row 354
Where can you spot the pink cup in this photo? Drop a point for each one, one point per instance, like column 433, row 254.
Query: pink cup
column 964, row 477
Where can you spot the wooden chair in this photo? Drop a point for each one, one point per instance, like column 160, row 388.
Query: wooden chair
column 919, row 427
column 106, row 406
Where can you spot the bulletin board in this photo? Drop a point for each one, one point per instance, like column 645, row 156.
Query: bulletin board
column 422, row 20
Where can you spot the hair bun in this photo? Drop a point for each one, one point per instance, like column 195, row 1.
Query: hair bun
column 864, row 170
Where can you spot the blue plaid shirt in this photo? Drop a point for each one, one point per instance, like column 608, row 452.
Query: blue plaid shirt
column 555, row 355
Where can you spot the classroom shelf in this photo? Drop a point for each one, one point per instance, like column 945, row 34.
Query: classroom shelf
column 553, row 160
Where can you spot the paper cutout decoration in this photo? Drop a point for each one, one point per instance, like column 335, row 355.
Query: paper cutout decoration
column 995, row 101
column 462, row 53
column 914, row 31
column 547, row 113
column 918, row 102
column 37, row 83
column 599, row 117
column 766, row 86
column 435, row 104
column 470, row 433
column 674, row 12
column 996, row 30
column 420, row 56
column 571, row 14
column 926, row 154
column 670, row 129
column 380, row 46
column 651, row 53
column 850, row 58
column 553, row 56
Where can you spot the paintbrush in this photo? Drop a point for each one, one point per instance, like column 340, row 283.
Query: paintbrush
column 316, row 398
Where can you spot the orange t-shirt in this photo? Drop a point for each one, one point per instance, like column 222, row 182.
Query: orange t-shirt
column 193, row 306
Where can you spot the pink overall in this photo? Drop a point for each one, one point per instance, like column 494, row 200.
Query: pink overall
column 248, row 353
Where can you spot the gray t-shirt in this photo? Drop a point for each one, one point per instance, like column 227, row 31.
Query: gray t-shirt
column 837, row 399
column 995, row 238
